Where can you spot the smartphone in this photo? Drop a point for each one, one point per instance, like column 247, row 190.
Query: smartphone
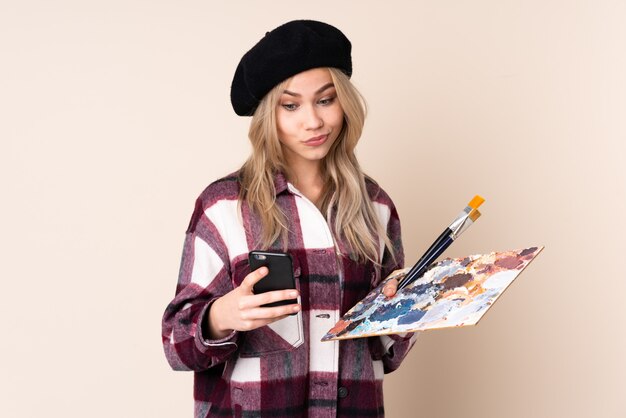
column 280, row 274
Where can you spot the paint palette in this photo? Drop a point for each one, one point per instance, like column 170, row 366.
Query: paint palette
column 454, row 293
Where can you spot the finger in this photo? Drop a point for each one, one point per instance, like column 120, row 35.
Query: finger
column 390, row 288
column 271, row 313
column 254, row 301
column 253, row 277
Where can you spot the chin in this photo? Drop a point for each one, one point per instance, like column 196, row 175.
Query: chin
column 317, row 156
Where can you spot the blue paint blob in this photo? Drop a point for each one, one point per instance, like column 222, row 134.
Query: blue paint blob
column 421, row 288
column 390, row 311
column 411, row 317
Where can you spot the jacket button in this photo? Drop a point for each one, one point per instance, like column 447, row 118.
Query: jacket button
column 342, row 392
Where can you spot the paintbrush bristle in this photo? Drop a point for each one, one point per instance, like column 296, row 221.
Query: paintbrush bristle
column 476, row 202
column 474, row 214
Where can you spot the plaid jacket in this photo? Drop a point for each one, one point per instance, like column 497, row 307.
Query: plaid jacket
column 283, row 369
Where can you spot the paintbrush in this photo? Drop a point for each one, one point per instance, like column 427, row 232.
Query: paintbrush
column 467, row 217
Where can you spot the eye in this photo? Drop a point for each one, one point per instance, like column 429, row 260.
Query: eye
column 289, row 106
column 326, row 101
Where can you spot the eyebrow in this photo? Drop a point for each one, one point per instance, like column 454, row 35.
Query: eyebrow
column 320, row 90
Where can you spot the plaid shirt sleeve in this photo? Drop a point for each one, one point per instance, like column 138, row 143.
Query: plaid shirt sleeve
column 204, row 276
column 395, row 347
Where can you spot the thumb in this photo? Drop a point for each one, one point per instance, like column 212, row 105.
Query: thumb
column 390, row 288
column 253, row 278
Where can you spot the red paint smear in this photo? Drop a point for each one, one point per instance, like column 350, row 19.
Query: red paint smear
column 340, row 326
column 509, row 263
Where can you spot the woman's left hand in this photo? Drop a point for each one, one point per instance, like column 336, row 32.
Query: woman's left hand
column 390, row 288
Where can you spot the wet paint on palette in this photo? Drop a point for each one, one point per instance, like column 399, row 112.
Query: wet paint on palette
column 453, row 293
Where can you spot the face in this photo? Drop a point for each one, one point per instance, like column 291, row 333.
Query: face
column 309, row 117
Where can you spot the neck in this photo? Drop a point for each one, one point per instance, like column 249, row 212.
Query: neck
column 307, row 178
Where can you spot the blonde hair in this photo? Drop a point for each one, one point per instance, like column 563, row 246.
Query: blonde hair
column 344, row 195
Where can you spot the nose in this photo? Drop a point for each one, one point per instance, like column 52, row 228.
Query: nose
column 313, row 119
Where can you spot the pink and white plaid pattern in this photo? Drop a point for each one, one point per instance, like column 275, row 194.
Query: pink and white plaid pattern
column 280, row 370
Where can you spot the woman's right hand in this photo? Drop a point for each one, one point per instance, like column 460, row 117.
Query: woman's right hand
column 240, row 309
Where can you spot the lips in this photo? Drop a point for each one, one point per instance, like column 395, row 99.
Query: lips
column 316, row 141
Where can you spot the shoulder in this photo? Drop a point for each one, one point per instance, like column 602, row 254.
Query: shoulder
column 225, row 189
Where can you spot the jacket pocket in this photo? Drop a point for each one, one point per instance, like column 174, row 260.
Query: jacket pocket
column 283, row 335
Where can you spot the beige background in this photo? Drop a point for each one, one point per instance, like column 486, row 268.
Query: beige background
column 114, row 115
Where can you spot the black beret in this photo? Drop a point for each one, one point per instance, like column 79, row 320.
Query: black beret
column 289, row 49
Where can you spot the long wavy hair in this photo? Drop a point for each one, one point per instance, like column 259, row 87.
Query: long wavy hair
column 344, row 195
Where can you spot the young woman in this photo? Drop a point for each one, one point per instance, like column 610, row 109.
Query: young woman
column 301, row 192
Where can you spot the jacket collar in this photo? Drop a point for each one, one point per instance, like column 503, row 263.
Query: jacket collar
column 280, row 182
